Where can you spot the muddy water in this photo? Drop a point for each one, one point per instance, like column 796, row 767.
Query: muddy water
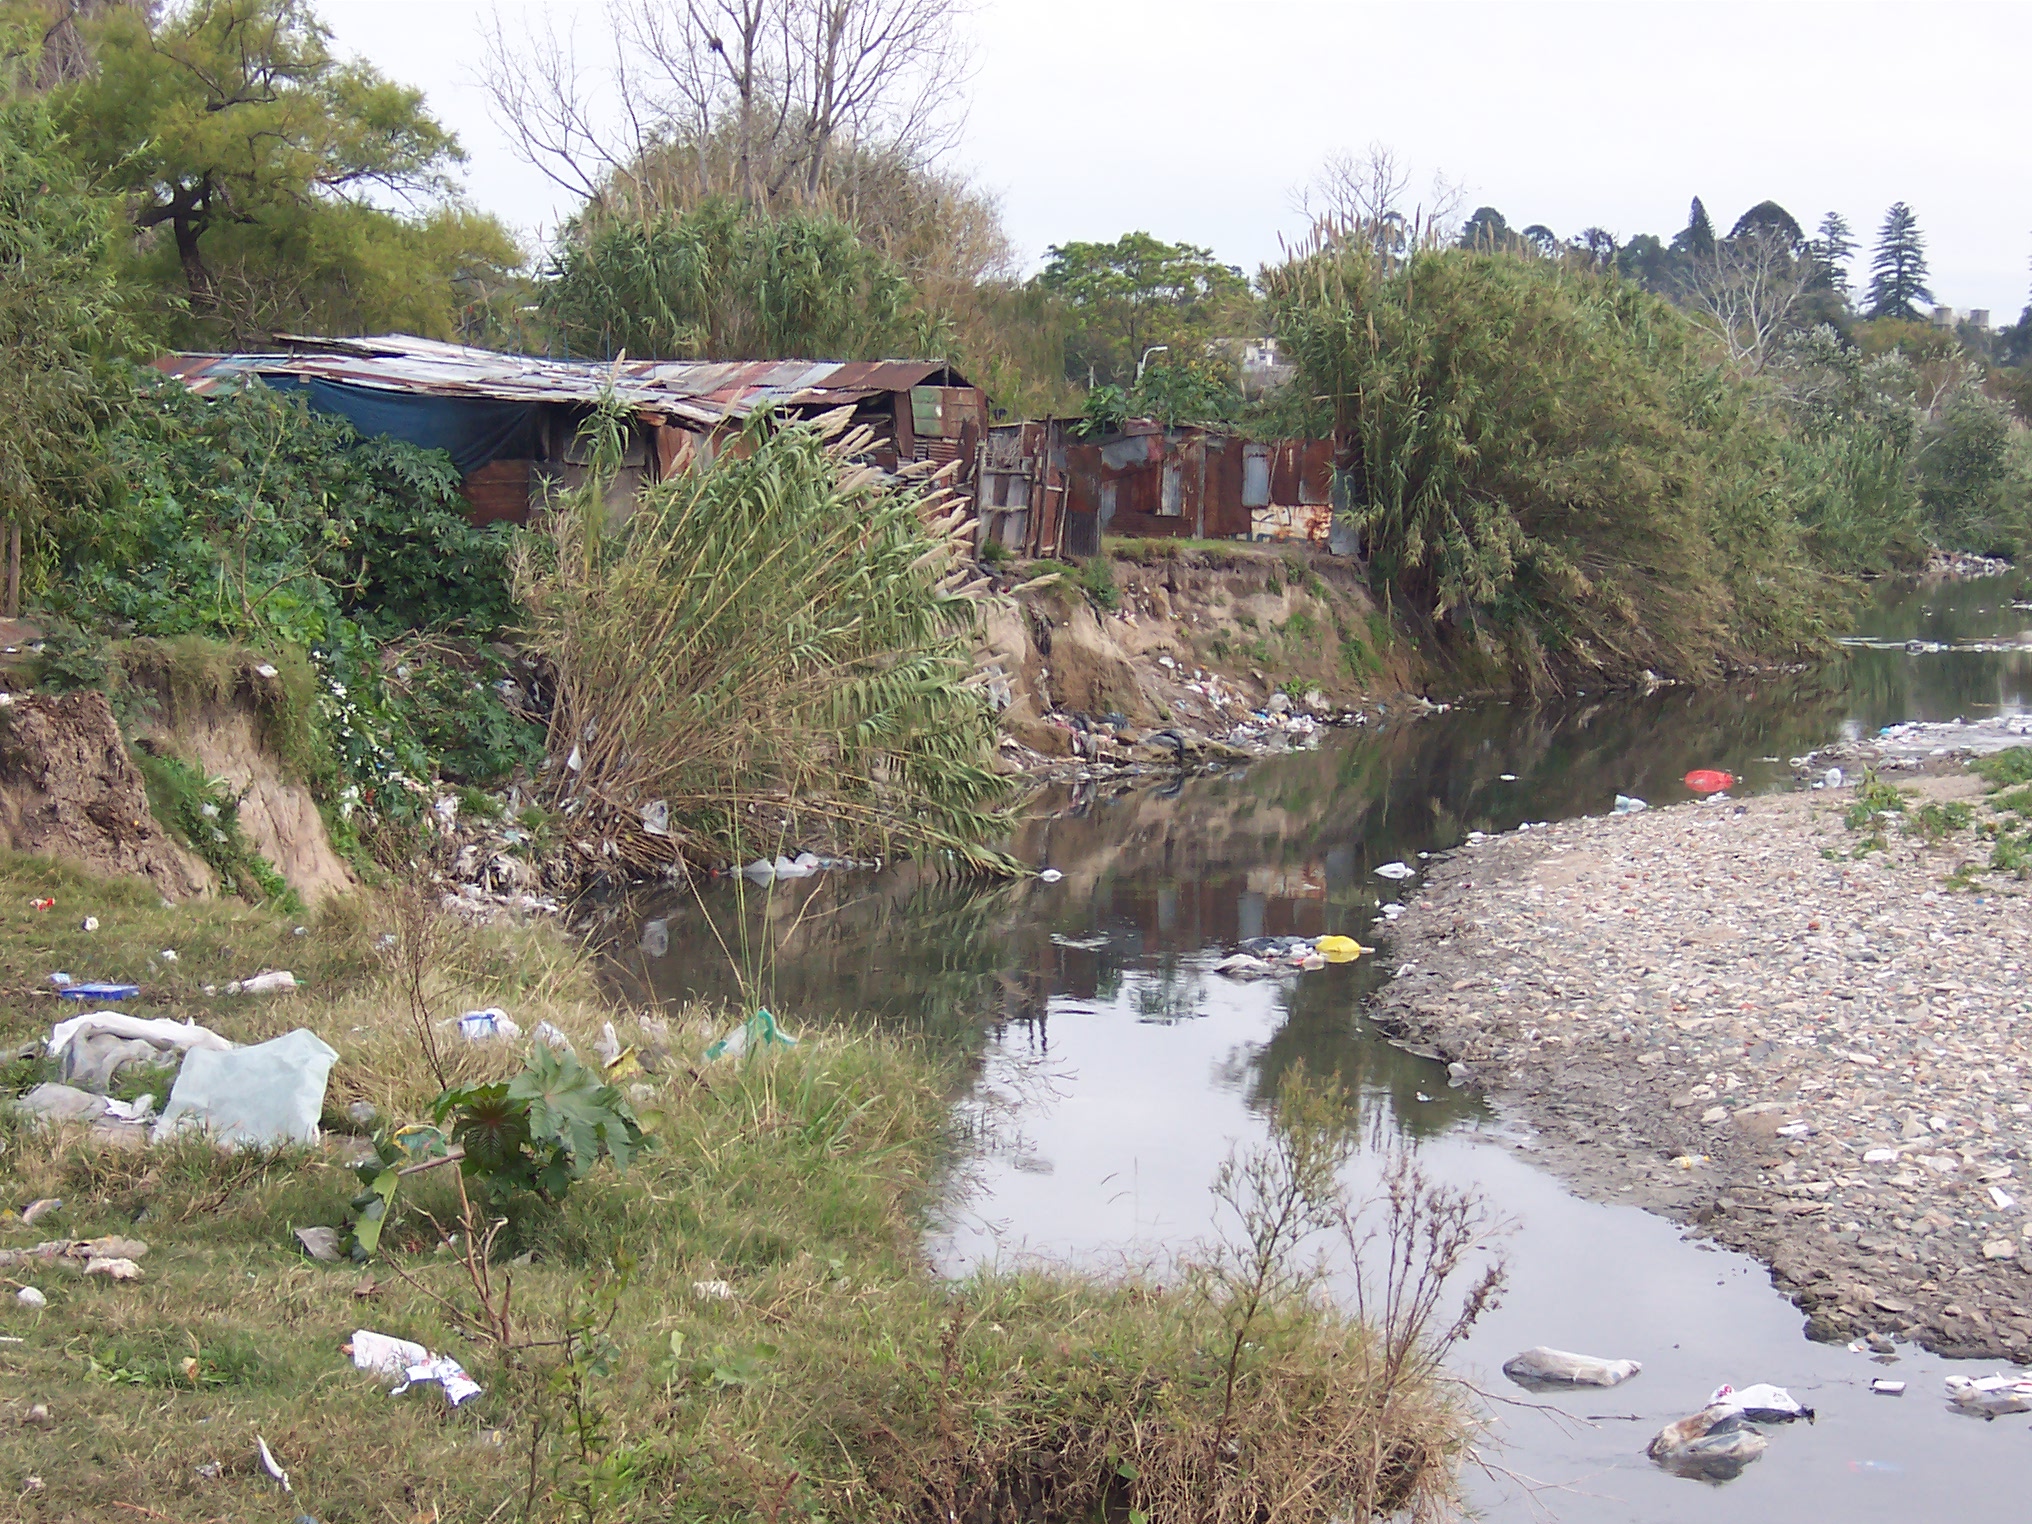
column 1117, row 1071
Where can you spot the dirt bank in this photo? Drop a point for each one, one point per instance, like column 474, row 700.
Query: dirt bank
column 1717, row 1011
column 68, row 790
column 1174, row 652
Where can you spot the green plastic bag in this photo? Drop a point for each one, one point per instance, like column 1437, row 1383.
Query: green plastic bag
column 758, row 1031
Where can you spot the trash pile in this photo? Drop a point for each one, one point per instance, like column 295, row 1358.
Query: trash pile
column 1266, row 957
column 406, row 1364
column 1990, row 1396
column 256, row 1096
column 1712, row 1445
column 1915, row 743
column 1715, row 1444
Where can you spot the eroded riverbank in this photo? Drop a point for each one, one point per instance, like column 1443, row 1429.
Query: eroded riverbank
column 1718, row 1012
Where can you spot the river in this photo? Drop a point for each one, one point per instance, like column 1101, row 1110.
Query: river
column 1116, row 1071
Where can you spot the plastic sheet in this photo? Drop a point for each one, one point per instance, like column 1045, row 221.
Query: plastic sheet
column 267, row 1094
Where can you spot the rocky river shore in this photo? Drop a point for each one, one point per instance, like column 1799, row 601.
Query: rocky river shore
column 1723, row 1012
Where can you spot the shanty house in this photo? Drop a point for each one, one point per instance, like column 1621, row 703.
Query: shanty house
column 511, row 422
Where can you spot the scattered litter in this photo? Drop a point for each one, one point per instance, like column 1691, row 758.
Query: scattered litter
column 1879, row 1155
column 137, row 1110
column 758, row 1031
column 2002, row 1199
column 114, row 1269
column 1050, row 875
column 608, row 1046
column 272, row 1466
column 168, row 955
column 265, row 669
column 1709, row 780
column 28, row 1296
column 270, row 982
column 76, row 1253
column 98, row 991
column 656, row 817
column 89, row 923
column 1832, row 778
column 1689, row 1161
column 272, row 1092
column 551, row 1037
column 1627, row 804
column 1990, row 1396
column 763, row 871
column 1395, row 870
column 485, row 1026
column 712, row 1291
column 1079, row 944
column 1762, row 1403
column 38, row 1209
column 1243, row 965
column 1885, row 1387
column 48, row 903
column 1340, row 949
column 61, row 980
column 406, row 1364
column 321, row 1244
column 1713, row 1445
column 655, row 938
column 1507, row 777
column 1542, row 1367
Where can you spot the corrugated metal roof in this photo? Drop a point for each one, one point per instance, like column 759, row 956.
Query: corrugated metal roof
column 703, row 391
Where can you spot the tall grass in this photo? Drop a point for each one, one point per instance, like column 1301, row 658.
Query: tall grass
column 774, row 650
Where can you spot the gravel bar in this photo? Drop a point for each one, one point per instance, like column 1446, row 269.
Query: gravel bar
column 1716, row 1011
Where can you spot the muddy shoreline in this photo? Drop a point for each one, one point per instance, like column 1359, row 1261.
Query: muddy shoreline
column 1716, row 1012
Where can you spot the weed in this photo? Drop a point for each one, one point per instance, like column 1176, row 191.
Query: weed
column 1301, row 626
column 1096, row 578
column 2018, row 801
column 205, row 815
column 2002, row 769
column 1938, row 819
column 995, row 553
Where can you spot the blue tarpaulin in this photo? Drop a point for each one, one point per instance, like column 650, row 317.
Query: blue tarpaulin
column 472, row 430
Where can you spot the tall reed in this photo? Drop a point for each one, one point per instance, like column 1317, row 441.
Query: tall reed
column 772, row 651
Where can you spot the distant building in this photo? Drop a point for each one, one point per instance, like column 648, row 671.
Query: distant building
column 1943, row 317
column 1979, row 317
column 1264, row 368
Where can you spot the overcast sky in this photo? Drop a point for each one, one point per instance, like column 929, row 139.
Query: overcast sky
column 1199, row 121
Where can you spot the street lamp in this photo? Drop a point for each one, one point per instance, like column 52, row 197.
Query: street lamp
column 1153, row 349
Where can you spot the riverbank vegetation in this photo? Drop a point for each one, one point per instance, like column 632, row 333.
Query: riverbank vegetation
column 741, row 1322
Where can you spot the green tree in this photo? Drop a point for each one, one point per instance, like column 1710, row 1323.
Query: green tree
column 1898, row 268
column 257, row 166
column 724, row 283
column 1128, row 296
column 1768, row 218
column 60, row 311
column 1832, row 246
column 1485, row 230
column 1697, row 238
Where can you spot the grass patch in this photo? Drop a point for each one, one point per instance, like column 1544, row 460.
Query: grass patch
column 836, row 1378
column 2003, row 769
column 1096, row 578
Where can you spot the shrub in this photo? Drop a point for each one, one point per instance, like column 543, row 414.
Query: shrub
column 1552, row 460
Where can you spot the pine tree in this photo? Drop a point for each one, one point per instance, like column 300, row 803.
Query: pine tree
column 1697, row 237
column 1832, row 246
column 1898, row 268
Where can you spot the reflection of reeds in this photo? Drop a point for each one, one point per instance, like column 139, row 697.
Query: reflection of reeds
column 773, row 646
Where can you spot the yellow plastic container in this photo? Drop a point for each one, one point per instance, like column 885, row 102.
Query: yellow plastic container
column 1340, row 949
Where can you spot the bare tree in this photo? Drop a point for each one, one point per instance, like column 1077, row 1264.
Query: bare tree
column 1746, row 291
column 1359, row 198
column 771, row 100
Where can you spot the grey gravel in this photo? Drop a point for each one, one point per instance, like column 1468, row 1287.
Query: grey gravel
column 1715, row 1011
